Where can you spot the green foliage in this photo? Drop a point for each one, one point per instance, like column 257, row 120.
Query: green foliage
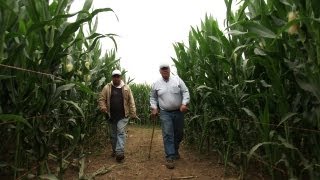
column 50, row 73
column 141, row 94
column 256, row 87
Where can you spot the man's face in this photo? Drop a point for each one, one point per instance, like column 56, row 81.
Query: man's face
column 165, row 72
column 116, row 79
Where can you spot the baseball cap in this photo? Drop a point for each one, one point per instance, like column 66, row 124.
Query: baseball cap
column 116, row 72
column 164, row 64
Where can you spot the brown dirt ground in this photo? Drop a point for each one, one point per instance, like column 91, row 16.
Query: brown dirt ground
column 136, row 165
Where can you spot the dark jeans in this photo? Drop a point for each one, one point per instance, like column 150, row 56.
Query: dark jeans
column 172, row 132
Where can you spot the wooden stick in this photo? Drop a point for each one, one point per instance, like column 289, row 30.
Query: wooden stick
column 154, row 123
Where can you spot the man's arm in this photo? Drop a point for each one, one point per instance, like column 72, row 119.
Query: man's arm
column 102, row 100
column 185, row 96
column 153, row 101
column 184, row 92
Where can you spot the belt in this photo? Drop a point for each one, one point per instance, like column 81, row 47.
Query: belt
column 172, row 110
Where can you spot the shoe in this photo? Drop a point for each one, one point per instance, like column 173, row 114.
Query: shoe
column 170, row 164
column 119, row 157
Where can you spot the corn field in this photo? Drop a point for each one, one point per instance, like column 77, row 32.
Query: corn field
column 141, row 94
column 51, row 71
column 254, row 87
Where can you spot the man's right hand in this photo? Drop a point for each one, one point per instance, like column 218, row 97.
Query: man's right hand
column 154, row 113
column 104, row 110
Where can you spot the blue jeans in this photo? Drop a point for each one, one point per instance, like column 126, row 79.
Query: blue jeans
column 172, row 132
column 118, row 135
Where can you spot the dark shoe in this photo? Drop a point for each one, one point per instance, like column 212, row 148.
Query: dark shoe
column 170, row 164
column 119, row 157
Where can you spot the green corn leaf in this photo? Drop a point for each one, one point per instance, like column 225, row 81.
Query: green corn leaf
column 68, row 31
column 310, row 87
column 257, row 146
column 96, row 37
column 286, row 117
column 84, row 88
column 2, row 164
column 220, row 118
column 258, row 29
column 42, row 24
column 76, row 106
column 72, row 121
column 48, row 177
column 236, row 33
column 87, row 5
column 194, row 117
column 62, row 88
column 204, row 87
column 6, row 77
column 250, row 113
column 5, row 6
column 285, row 2
column 265, row 84
column 68, row 136
column 238, row 48
column 15, row 119
column 259, row 52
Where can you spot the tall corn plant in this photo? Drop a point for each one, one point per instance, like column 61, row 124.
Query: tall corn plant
column 41, row 95
column 282, row 54
column 217, row 88
column 141, row 94
column 265, row 67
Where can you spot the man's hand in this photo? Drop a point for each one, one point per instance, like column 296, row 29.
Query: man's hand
column 104, row 110
column 154, row 113
column 183, row 108
column 134, row 119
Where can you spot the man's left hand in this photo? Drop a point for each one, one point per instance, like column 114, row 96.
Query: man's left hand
column 135, row 118
column 183, row 108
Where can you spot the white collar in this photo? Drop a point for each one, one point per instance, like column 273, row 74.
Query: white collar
column 120, row 85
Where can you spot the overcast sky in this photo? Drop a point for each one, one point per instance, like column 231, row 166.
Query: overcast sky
column 148, row 28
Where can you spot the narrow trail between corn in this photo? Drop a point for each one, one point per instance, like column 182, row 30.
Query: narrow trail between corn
column 136, row 165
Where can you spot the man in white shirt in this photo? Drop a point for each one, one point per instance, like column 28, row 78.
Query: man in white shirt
column 169, row 96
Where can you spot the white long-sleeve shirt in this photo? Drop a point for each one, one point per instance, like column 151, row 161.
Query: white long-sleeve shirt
column 169, row 95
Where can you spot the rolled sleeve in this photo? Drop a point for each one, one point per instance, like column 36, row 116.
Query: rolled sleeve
column 153, row 98
column 184, row 92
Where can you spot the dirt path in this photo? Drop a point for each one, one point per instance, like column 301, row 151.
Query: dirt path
column 138, row 166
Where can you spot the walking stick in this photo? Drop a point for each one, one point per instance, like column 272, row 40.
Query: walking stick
column 154, row 123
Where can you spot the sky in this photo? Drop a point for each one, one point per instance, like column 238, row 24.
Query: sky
column 147, row 30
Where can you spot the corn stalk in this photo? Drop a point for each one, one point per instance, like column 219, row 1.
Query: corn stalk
column 44, row 79
column 258, row 83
